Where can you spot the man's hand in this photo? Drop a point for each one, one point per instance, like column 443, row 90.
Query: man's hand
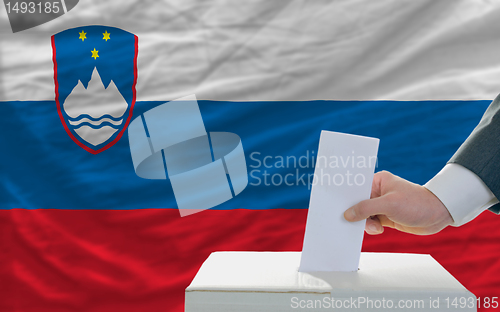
column 402, row 205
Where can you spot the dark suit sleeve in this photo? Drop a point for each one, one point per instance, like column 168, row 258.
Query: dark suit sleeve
column 480, row 153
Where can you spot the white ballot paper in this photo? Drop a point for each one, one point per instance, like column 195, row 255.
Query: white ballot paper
column 343, row 176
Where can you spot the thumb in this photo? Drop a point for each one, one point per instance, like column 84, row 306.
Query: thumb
column 367, row 208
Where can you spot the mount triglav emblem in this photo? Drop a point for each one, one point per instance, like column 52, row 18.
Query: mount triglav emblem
column 97, row 111
column 95, row 73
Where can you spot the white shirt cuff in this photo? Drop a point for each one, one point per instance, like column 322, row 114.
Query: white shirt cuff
column 462, row 192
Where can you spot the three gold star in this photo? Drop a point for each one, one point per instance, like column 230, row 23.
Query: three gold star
column 83, row 36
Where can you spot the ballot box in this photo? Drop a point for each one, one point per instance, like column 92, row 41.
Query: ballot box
column 271, row 282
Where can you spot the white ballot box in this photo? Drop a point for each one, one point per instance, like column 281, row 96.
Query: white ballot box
column 271, row 282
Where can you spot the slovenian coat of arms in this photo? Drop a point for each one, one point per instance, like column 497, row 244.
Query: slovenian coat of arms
column 95, row 74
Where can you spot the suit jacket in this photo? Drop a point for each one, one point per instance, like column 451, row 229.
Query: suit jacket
column 480, row 153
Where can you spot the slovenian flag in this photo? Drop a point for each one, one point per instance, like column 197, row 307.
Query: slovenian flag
column 82, row 231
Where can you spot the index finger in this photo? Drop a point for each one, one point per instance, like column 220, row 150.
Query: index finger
column 370, row 207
